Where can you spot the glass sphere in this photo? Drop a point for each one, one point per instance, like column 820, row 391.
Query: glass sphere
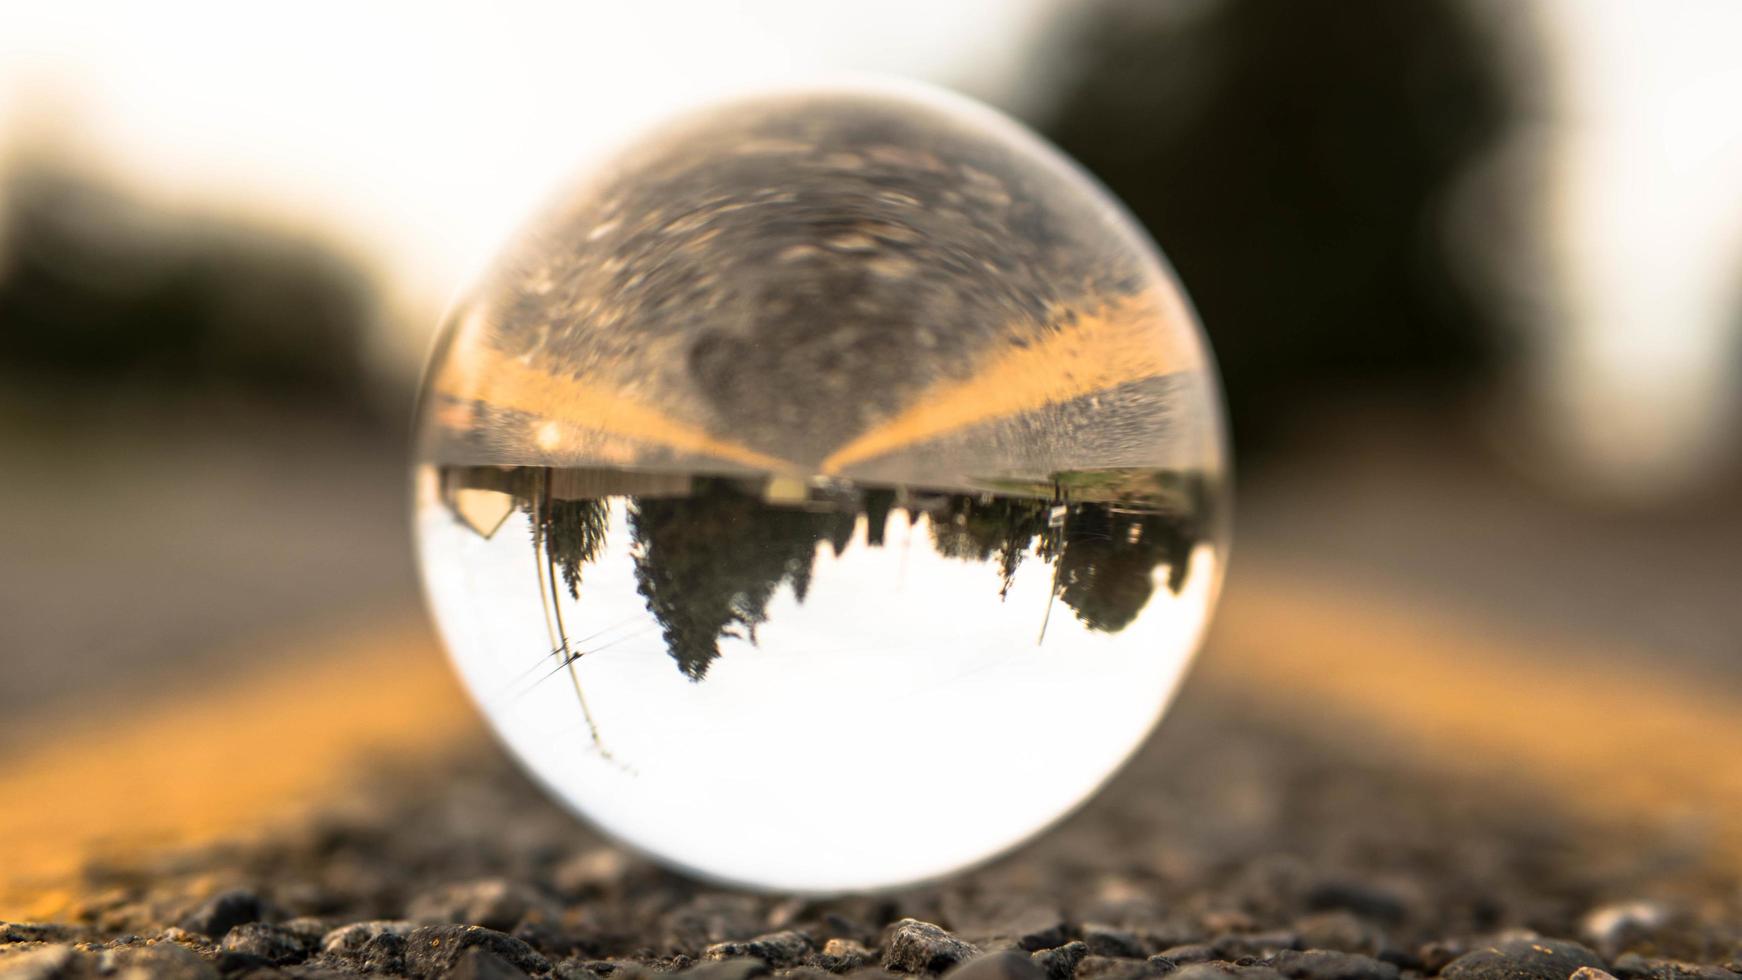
column 827, row 493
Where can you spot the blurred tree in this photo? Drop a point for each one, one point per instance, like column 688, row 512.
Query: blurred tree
column 96, row 285
column 1291, row 159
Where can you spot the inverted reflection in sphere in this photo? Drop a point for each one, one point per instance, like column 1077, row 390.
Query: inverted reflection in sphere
column 827, row 492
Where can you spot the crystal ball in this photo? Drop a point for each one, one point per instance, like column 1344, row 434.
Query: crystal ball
column 826, row 492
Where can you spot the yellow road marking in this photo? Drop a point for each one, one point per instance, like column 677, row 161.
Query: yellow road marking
column 197, row 764
column 573, row 409
column 1141, row 337
column 1603, row 732
column 1603, row 739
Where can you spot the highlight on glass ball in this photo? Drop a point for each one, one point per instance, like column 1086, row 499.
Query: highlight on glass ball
column 827, row 493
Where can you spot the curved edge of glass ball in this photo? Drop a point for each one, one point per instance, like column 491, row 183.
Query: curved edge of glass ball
column 600, row 337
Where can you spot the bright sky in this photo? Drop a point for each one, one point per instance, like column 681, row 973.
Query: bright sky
column 1644, row 225
column 913, row 702
column 422, row 132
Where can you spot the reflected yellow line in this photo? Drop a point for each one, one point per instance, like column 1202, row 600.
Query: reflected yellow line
column 1143, row 336
column 571, row 411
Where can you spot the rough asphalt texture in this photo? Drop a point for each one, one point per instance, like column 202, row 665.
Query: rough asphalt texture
column 1236, row 847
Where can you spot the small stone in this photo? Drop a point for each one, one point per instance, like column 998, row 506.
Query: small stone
column 35, row 932
column 1060, row 962
column 1254, row 945
column 180, row 936
column 1590, row 973
column 1612, row 929
column 52, row 962
column 591, row 872
column 1367, row 900
column 481, row 964
column 1632, row 966
column 158, row 961
column 381, row 954
column 713, row 917
column 1437, row 955
column 1105, row 940
column 1222, row 970
column 353, row 937
column 1324, row 964
column 1189, row 953
column 431, row 951
column 1007, row 965
column 1523, row 959
column 774, row 948
column 840, row 955
column 493, row 903
column 273, row 944
column 912, row 946
column 1120, row 968
column 735, row 968
column 225, row 911
column 1342, row 932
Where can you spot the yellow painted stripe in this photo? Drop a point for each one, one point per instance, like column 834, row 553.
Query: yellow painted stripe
column 572, row 412
column 259, row 752
column 1144, row 336
column 1599, row 732
column 1608, row 733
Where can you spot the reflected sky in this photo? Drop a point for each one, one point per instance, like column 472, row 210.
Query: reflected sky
column 910, row 689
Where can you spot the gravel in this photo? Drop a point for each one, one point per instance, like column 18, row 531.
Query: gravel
column 1236, row 848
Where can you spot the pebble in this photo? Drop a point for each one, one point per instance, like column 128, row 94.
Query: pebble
column 273, row 944
column 224, row 911
column 1105, row 940
column 481, row 964
column 1590, row 973
column 775, row 948
column 431, row 951
column 1122, row 968
column 1223, row 970
column 1006, row 965
column 1369, row 901
column 1611, row 929
column 39, row 962
column 734, row 968
column 1060, row 962
column 1523, row 959
column 494, row 903
column 157, row 961
column 591, row 872
column 353, row 937
column 35, row 932
column 1343, row 932
column 1256, row 945
column 912, row 946
column 1190, row 953
column 1632, row 966
column 840, row 955
column 1322, row 964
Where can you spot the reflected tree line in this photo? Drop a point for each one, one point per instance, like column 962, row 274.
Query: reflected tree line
column 708, row 564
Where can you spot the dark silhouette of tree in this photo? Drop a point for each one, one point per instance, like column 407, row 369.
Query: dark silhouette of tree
column 1106, row 565
column 1309, row 145
column 984, row 530
column 708, row 564
column 573, row 532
